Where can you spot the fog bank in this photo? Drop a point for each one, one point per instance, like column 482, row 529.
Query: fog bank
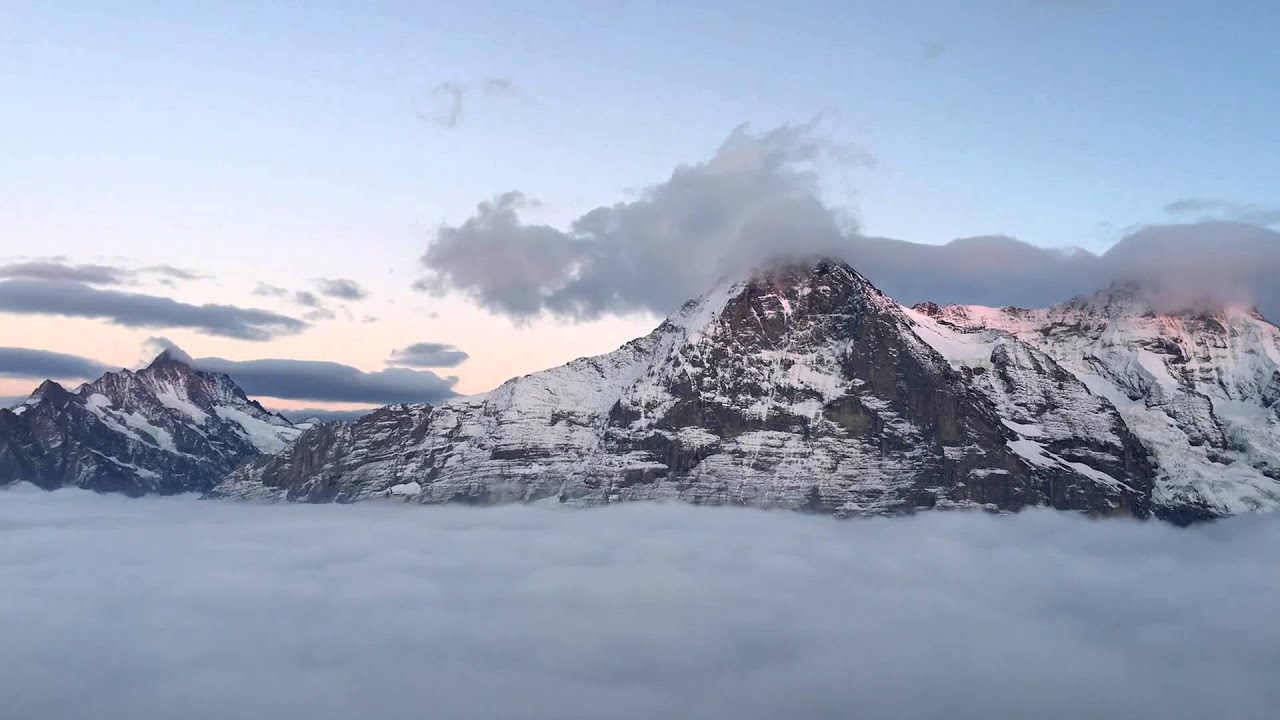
column 172, row 607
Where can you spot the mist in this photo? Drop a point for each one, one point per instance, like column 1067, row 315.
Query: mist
column 121, row 608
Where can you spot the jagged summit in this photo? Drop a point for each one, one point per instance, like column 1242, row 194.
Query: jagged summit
column 164, row 428
column 170, row 357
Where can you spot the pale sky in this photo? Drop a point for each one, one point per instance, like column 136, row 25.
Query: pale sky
column 281, row 143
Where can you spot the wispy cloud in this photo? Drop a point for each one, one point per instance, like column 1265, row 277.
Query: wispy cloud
column 1206, row 209
column 341, row 288
column 449, row 99
column 93, row 273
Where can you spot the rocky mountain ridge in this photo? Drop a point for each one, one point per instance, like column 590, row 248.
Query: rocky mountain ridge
column 799, row 387
column 165, row 429
column 1199, row 387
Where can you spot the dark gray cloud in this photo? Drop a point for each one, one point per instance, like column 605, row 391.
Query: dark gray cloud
column 73, row 299
column 448, row 99
column 341, row 288
column 93, row 274
column 317, row 310
column 1205, row 210
column 322, row 381
column 319, row 381
column 427, row 355
column 757, row 200
column 17, row 362
column 56, row 270
column 637, row 611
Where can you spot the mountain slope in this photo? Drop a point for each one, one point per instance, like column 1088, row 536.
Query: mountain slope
column 164, row 429
column 1199, row 387
column 801, row 387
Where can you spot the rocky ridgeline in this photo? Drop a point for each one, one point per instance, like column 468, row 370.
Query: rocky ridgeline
column 164, row 429
column 800, row 386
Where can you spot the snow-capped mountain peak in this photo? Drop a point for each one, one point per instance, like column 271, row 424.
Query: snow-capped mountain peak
column 798, row 385
column 165, row 428
column 1199, row 385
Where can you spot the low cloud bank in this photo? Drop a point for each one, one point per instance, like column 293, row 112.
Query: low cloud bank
column 318, row 380
column 115, row 608
column 17, row 362
column 757, row 199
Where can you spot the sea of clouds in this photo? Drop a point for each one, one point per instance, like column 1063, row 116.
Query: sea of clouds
column 115, row 608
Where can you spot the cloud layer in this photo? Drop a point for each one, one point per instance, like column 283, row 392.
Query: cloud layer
column 75, row 299
column 757, row 199
column 16, row 362
column 93, row 274
column 331, row 382
column 116, row 608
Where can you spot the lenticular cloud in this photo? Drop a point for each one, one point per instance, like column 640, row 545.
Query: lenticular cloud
column 173, row 607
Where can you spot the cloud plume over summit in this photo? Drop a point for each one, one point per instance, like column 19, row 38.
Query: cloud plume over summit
column 758, row 198
column 756, row 195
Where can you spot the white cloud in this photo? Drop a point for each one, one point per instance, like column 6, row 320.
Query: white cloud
column 172, row 607
column 758, row 198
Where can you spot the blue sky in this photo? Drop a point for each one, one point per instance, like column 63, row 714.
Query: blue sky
column 280, row 142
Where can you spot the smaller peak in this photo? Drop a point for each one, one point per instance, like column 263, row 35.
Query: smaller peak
column 798, row 266
column 47, row 390
column 170, row 357
column 1120, row 297
column 930, row 308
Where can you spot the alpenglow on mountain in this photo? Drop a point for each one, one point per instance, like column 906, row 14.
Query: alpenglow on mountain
column 800, row 386
column 804, row 387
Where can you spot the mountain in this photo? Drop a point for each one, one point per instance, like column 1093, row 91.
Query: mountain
column 801, row 386
column 1198, row 386
column 164, row 429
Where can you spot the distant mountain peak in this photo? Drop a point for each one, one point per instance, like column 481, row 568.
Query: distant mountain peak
column 165, row 428
column 47, row 390
column 170, row 357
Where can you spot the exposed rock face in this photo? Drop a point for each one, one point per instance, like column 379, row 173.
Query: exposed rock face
column 801, row 387
column 1198, row 387
column 164, row 429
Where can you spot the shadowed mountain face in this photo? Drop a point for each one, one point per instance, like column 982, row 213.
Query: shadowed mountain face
column 800, row 387
column 163, row 429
